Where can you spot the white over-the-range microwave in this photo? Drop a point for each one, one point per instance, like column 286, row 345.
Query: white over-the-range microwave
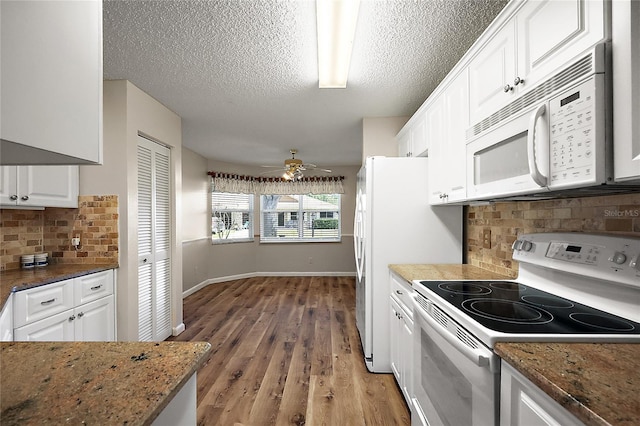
column 555, row 137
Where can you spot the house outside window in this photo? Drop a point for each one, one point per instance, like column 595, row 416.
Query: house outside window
column 231, row 217
column 300, row 218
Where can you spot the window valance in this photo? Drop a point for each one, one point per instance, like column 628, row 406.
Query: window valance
column 229, row 182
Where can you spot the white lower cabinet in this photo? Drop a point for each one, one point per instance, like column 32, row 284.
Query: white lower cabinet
column 78, row 309
column 401, row 338
column 522, row 403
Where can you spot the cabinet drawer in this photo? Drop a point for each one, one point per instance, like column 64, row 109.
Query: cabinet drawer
column 403, row 292
column 92, row 287
column 38, row 303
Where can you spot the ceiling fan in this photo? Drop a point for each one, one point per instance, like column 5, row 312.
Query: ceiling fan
column 294, row 167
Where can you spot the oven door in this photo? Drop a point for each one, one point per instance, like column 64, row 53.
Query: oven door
column 457, row 378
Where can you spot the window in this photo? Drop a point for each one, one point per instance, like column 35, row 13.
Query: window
column 300, row 218
column 231, row 217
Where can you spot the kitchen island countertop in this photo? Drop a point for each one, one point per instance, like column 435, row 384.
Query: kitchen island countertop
column 93, row 382
column 597, row 382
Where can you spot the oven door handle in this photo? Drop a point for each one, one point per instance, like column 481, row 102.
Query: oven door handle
column 479, row 356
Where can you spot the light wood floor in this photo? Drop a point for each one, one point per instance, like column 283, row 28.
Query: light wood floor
column 286, row 351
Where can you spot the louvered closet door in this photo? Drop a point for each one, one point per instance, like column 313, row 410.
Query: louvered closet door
column 154, row 232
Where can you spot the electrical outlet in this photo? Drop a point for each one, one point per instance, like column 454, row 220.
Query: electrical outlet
column 75, row 241
column 486, row 238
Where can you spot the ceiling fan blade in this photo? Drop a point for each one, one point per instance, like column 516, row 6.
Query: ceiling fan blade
column 280, row 170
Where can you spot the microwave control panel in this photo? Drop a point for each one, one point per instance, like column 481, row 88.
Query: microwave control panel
column 573, row 135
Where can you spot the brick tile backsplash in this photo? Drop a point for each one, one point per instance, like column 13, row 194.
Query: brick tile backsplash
column 612, row 214
column 95, row 221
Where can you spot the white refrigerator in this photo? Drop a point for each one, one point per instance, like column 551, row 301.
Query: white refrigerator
column 394, row 223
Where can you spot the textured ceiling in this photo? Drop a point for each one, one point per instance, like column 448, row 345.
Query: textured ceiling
column 242, row 74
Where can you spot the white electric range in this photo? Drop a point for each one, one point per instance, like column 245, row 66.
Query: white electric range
column 570, row 287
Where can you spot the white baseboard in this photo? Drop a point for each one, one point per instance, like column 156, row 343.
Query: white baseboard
column 205, row 283
column 178, row 329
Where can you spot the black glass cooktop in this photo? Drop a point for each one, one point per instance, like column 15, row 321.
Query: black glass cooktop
column 511, row 307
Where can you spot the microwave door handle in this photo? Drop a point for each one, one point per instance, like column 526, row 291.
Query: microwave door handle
column 537, row 177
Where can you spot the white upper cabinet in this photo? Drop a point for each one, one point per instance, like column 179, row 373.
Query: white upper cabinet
column 626, row 90
column 491, row 74
column 540, row 38
column 412, row 138
column 551, row 33
column 447, row 121
column 51, row 82
column 39, row 186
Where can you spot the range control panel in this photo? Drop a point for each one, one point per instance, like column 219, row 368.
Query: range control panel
column 598, row 256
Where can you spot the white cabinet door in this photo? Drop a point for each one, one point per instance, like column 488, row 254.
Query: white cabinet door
column 447, row 121
column 56, row 328
column 454, row 152
column 6, row 321
column 8, row 185
column 394, row 339
column 412, row 138
column 419, row 141
column 95, row 321
column 406, row 354
column 493, row 69
column 51, row 81
column 552, row 33
column 39, row 186
column 625, row 41
column 404, row 144
column 436, row 134
column 522, row 403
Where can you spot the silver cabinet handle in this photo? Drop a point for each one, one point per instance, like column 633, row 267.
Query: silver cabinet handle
column 96, row 287
column 13, row 197
column 81, row 314
column 72, row 317
column 507, row 88
column 46, row 302
column 24, row 197
column 517, row 81
column 398, row 292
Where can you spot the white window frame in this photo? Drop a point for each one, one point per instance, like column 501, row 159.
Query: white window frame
column 300, row 226
column 229, row 225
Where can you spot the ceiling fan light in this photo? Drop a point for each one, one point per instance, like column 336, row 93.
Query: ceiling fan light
column 336, row 27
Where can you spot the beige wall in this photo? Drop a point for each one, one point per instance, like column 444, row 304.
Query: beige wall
column 128, row 112
column 206, row 262
column 613, row 214
column 378, row 136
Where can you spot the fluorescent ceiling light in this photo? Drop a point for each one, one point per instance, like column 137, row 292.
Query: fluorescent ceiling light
column 336, row 23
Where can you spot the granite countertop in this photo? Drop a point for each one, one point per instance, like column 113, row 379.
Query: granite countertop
column 596, row 382
column 98, row 383
column 412, row 272
column 22, row 279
